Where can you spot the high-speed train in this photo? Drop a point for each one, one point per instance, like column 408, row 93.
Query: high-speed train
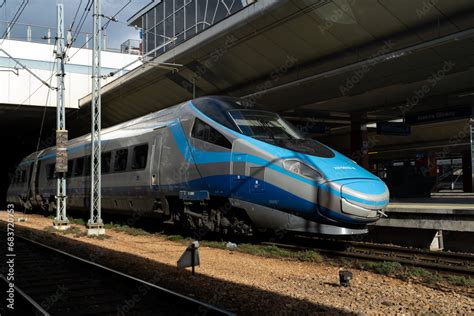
column 213, row 163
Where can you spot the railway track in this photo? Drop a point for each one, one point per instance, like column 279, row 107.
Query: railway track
column 459, row 263
column 52, row 282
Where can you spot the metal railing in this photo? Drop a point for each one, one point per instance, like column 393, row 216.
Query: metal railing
column 131, row 46
column 43, row 34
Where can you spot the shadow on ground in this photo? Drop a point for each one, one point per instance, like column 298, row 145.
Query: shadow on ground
column 238, row 298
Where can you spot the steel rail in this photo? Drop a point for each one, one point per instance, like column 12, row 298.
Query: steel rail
column 27, row 297
column 213, row 310
column 443, row 261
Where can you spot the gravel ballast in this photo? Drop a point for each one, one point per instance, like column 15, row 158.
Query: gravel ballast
column 248, row 284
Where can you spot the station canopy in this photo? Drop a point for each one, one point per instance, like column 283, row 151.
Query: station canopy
column 310, row 57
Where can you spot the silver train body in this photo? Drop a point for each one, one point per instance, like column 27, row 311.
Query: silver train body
column 212, row 164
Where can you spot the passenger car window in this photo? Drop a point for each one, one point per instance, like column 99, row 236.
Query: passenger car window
column 79, row 167
column 139, row 159
column 209, row 134
column 120, row 161
column 105, row 162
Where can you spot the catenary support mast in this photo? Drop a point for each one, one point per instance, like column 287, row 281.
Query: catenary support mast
column 60, row 221
column 95, row 224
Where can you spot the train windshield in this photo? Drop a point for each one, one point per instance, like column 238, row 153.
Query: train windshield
column 266, row 126
column 262, row 124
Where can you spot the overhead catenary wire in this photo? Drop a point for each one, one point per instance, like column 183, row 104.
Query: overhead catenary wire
column 82, row 19
column 26, row 68
column 38, row 144
column 79, row 27
column 75, row 16
column 44, row 111
column 114, row 17
column 104, row 26
column 83, row 45
column 15, row 18
column 37, row 89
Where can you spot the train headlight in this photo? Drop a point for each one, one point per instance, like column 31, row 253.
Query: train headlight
column 301, row 169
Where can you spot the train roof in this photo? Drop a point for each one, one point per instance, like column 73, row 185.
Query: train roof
column 213, row 106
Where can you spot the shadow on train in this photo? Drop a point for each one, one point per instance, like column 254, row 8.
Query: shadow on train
column 134, row 223
column 238, row 298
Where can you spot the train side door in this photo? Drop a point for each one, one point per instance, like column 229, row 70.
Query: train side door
column 239, row 173
column 155, row 162
column 36, row 198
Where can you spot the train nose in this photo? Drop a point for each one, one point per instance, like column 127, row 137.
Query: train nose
column 362, row 199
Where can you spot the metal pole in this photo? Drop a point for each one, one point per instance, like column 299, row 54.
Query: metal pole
column 193, row 258
column 95, row 224
column 60, row 222
column 28, row 33
column 471, row 131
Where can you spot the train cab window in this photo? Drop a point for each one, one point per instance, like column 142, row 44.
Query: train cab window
column 106, row 161
column 139, row 159
column 50, row 169
column 120, row 161
column 70, row 164
column 209, row 134
column 79, row 167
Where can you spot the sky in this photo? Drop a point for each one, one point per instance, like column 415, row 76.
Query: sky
column 43, row 13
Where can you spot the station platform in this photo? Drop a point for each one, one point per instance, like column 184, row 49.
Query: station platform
column 443, row 221
column 434, row 205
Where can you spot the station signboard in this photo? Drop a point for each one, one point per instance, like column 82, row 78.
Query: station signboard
column 439, row 115
column 393, row 128
column 312, row 127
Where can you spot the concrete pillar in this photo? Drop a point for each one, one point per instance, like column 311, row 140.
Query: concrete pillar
column 359, row 140
column 467, row 171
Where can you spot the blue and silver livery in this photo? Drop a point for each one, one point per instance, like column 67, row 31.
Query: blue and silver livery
column 214, row 164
